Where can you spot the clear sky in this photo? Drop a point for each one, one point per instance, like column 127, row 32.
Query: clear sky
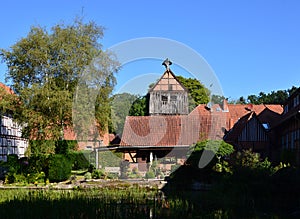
column 251, row 45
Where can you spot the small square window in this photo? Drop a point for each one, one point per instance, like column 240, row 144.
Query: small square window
column 173, row 98
column 164, row 98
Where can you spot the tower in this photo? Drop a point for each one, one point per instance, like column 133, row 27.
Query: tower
column 168, row 96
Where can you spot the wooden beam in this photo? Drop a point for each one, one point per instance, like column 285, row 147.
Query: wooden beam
column 131, row 157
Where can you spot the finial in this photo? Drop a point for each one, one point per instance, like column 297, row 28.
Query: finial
column 167, row 63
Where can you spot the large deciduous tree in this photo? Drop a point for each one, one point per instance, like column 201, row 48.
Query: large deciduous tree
column 44, row 69
column 198, row 92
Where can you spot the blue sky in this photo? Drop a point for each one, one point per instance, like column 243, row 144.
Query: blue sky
column 252, row 46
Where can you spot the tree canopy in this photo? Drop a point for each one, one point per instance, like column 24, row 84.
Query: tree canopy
column 44, row 68
column 198, row 92
column 274, row 97
column 121, row 105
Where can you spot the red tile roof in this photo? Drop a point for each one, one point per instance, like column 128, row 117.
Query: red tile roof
column 202, row 123
column 6, row 88
column 159, row 131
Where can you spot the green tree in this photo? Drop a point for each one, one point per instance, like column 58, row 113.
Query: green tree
column 198, row 92
column 218, row 99
column 45, row 67
column 120, row 107
column 218, row 147
column 274, row 97
column 140, row 107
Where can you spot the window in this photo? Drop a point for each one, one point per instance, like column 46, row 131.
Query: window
column 296, row 101
column 173, row 98
column 164, row 98
column 266, row 126
column 286, row 109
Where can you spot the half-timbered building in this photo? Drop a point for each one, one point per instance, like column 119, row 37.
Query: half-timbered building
column 11, row 141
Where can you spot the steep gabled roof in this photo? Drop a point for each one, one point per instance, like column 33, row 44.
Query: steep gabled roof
column 167, row 78
column 238, row 127
column 239, row 110
column 269, row 116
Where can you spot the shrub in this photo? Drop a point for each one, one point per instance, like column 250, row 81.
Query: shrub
column 150, row 175
column 59, row 168
column 91, row 168
column 98, row 174
column 78, row 160
column 10, row 177
column 13, row 162
column 37, row 164
column 87, row 175
column 36, row 177
column 65, row 146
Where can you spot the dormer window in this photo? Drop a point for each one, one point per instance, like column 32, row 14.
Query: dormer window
column 266, row 126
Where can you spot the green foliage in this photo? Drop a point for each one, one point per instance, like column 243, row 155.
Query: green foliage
column 91, row 168
column 217, row 99
column 150, row 174
column 59, row 168
column 9, row 102
column 40, row 147
column 10, row 177
column 87, row 176
column 288, row 156
column 13, row 162
column 98, row 174
column 247, row 158
column 36, row 164
column 198, row 92
column 274, row 97
column 120, row 107
column 219, row 147
column 109, row 159
column 36, row 177
column 249, row 167
column 44, row 68
column 140, row 107
column 78, row 160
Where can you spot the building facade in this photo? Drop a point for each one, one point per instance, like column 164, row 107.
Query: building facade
column 168, row 96
column 288, row 127
column 11, row 141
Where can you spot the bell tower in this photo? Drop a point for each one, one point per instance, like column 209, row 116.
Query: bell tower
column 168, row 96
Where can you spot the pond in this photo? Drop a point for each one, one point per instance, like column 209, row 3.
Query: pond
column 131, row 202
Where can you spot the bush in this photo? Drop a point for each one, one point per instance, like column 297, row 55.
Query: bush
column 10, row 177
column 78, row 160
column 98, row 174
column 150, row 175
column 59, row 168
column 13, row 162
column 65, row 146
column 87, row 176
column 36, row 177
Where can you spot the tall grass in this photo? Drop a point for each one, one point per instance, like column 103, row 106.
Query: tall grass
column 91, row 203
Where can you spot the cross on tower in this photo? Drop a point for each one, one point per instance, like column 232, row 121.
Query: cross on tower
column 167, row 63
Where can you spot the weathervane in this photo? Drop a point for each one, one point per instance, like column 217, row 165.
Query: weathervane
column 167, row 63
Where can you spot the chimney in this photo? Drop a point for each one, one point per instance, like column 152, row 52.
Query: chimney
column 249, row 107
column 225, row 106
